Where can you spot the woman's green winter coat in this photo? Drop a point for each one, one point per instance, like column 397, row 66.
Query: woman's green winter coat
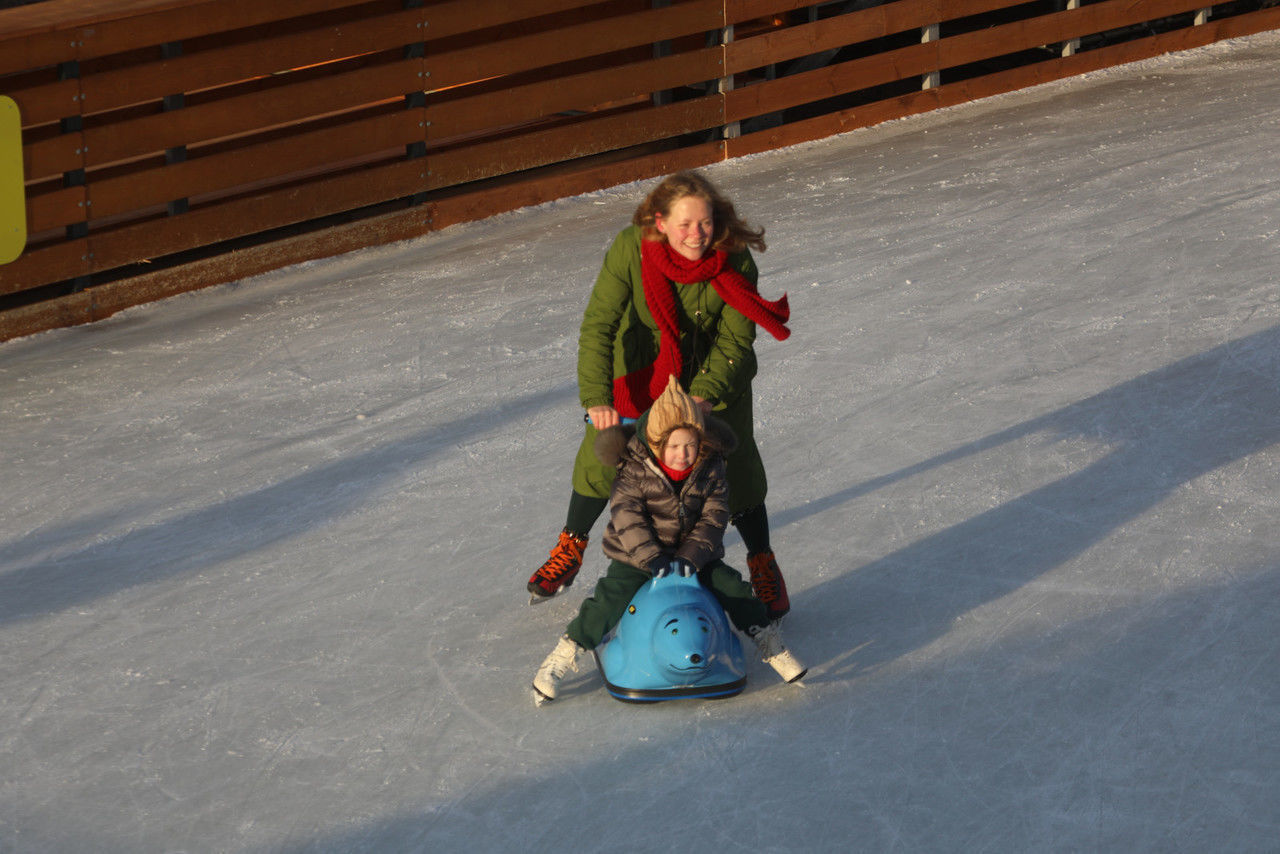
column 619, row 336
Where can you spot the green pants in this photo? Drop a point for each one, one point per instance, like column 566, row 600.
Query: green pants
column 605, row 607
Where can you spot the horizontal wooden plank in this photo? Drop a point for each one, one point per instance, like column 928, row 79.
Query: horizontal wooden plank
column 737, row 11
column 510, row 106
column 843, row 78
column 47, row 102
column 510, row 56
column 253, row 111
column 464, row 16
column 820, row 127
column 257, row 213
column 233, row 63
column 66, row 15
column 950, row 10
column 57, row 262
column 53, row 156
column 37, row 50
column 263, row 162
column 57, row 208
column 581, row 139
column 111, row 28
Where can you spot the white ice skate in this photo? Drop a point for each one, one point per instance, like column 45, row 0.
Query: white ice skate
column 768, row 641
column 546, row 684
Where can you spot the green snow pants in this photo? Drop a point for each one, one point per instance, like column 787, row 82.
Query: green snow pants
column 604, row 608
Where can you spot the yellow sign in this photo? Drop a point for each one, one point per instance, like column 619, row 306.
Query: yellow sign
column 13, row 207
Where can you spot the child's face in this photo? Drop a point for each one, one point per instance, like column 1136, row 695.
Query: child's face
column 681, row 449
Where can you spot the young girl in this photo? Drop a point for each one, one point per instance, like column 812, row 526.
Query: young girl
column 676, row 295
column 668, row 511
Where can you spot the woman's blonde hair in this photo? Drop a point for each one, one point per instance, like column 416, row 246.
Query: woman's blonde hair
column 729, row 233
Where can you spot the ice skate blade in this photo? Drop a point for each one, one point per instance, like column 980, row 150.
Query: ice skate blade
column 539, row 598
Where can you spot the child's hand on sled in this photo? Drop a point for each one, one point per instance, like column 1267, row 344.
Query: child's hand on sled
column 681, row 567
column 661, row 567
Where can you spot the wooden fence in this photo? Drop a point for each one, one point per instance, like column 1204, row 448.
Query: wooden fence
column 171, row 144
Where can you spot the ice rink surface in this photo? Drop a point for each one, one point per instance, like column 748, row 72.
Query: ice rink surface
column 263, row 547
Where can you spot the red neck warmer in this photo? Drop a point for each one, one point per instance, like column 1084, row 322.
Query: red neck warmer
column 661, row 269
column 676, row 476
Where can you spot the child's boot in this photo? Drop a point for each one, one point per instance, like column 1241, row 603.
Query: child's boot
column 561, row 568
column 766, row 581
column 773, row 653
column 546, row 684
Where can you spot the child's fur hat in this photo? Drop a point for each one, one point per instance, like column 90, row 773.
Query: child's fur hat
column 673, row 409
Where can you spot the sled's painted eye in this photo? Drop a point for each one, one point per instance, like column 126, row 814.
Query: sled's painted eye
column 675, row 632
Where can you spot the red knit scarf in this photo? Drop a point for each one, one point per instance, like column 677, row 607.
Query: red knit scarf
column 661, row 268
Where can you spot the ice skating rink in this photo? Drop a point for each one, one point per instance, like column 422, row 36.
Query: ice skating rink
column 263, row 547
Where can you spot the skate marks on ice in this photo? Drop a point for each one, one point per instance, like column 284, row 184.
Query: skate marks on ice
column 34, row 582
column 1119, row 746
column 1161, row 432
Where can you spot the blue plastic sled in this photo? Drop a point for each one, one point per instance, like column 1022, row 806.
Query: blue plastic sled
column 674, row 642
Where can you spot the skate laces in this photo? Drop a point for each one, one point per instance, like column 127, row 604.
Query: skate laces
column 564, row 658
column 565, row 559
column 763, row 578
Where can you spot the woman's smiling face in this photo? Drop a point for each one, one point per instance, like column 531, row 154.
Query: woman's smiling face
column 687, row 226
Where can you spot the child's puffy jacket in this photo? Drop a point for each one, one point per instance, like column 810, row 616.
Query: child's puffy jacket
column 650, row 517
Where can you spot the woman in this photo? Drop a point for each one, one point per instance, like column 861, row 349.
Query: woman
column 676, row 296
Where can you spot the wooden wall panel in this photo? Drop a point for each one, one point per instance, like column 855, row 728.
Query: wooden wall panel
column 61, row 261
column 154, row 128
column 262, row 110
column 831, row 81
column 126, row 26
column 47, row 102
column 259, row 212
column 830, row 33
column 262, row 162
column 510, row 56
column 153, row 80
column 1056, row 27
column 519, row 104
column 487, row 159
